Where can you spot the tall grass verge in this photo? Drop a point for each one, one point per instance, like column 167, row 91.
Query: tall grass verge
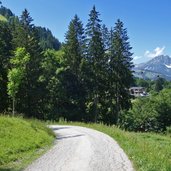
column 22, row 141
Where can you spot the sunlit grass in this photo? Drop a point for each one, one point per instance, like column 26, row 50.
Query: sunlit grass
column 21, row 141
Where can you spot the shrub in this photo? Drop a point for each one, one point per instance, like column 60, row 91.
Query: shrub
column 148, row 114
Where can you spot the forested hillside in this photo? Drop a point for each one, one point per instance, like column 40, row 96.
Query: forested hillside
column 87, row 79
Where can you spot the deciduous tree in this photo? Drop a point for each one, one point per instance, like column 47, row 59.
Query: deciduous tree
column 17, row 72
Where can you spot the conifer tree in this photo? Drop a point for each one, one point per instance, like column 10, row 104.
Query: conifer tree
column 26, row 20
column 120, row 66
column 106, row 37
column 74, row 45
column 95, row 57
column 74, row 56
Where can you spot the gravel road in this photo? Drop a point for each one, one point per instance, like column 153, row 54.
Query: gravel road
column 82, row 149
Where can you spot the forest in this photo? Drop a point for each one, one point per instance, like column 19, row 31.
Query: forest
column 86, row 78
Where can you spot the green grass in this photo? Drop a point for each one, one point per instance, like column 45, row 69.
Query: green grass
column 22, row 141
column 147, row 151
column 2, row 18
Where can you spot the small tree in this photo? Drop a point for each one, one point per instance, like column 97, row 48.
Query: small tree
column 16, row 73
column 74, row 45
column 159, row 84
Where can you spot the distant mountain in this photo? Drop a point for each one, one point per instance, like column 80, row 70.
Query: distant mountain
column 159, row 66
column 46, row 39
column 7, row 13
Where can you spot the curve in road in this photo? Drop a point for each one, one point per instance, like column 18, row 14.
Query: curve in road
column 82, row 149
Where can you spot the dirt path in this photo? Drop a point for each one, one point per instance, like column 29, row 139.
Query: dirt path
column 82, row 149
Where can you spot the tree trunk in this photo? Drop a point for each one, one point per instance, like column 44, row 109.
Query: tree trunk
column 117, row 103
column 13, row 106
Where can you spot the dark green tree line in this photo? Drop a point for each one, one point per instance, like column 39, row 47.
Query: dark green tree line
column 5, row 54
column 86, row 80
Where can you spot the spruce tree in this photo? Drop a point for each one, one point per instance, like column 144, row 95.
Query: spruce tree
column 95, row 57
column 74, row 45
column 120, row 67
column 106, row 37
column 26, row 20
column 72, row 78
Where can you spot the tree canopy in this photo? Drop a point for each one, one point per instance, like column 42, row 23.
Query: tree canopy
column 86, row 78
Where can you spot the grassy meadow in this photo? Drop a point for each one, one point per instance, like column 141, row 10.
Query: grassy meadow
column 22, row 141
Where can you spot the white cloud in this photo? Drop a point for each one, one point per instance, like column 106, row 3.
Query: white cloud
column 156, row 52
column 137, row 57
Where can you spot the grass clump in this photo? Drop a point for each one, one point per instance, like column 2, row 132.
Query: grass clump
column 147, row 151
column 21, row 141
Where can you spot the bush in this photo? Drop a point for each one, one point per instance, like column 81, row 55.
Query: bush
column 148, row 114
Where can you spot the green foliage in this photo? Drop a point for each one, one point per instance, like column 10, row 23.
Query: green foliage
column 71, row 77
column 149, row 114
column 142, row 117
column 16, row 74
column 152, row 85
column 51, row 66
column 21, row 141
column 26, row 20
column 21, row 58
column 29, row 95
column 106, row 36
column 74, row 45
column 96, row 60
column 159, row 84
column 143, row 83
column 63, row 91
column 119, row 76
column 77, row 82
column 5, row 53
column 2, row 18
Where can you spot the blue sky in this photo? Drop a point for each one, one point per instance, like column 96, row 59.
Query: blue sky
column 148, row 21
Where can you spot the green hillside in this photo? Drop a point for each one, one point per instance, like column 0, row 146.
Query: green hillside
column 21, row 141
column 2, row 18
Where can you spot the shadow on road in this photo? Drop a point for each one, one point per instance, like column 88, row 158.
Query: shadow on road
column 7, row 169
column 70, row 136
column 54, row 129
